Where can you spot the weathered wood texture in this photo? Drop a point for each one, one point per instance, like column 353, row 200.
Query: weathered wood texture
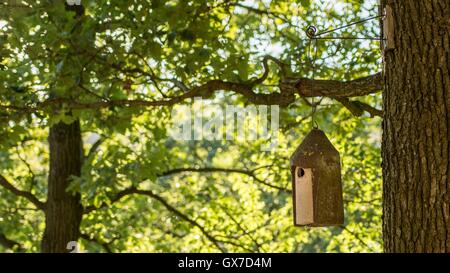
column 415, row 148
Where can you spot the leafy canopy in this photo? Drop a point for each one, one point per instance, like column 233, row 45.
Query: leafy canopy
column 154, row 50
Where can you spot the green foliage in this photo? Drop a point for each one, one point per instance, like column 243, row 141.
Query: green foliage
column 115, row 52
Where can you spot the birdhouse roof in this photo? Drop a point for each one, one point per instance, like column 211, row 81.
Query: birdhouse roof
column 314, row 146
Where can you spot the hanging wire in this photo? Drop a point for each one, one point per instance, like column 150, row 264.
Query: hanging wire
column 312, row 59
column 314, row 124
column 311, row 31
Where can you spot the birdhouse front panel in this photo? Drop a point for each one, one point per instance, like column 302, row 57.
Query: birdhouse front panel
column 304, row 197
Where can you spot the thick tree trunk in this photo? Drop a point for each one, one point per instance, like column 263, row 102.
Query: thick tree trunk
column 63, row 209
column 416, row 126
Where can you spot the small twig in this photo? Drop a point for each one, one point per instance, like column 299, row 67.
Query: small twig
column 28, row 195
column 10, row 244
column 105, row 245
column 357, row 237
column 94, row 147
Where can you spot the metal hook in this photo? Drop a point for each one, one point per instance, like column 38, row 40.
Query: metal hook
column 311, row 31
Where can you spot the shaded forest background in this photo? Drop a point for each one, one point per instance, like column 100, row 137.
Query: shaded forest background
column 208, row 196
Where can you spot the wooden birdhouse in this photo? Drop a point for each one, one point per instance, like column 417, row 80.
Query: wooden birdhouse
column 316, row 181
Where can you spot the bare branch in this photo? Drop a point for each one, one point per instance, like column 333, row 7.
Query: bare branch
column 369, row 109
column 105, row 245
column 357, row 108
column 94, row 147
column 161, row 200
column 22, row 109
column 244, row 230
column 265, row 62
column 28, row 195
column 357, row 237
column 289, row 87
column 9, row 244
column 215, row 241
column 250, row 173
column 182, row 216
column 116, row 198
column 337, row 89
column 129, row 191
column 30, row 170
column 258, row 11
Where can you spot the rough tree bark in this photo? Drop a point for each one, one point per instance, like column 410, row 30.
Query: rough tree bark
column 416, row 126
column 63, row 211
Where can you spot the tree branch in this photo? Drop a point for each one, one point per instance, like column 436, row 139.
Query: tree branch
column 181, row 215
column 28, row 195
column 8, row 243
column 289, row 87
column 357, row 108
column 250, row 173
column 258, row 11
column 338, row 89
column 94, row 147
column 244, row 230
column 116, row 198
column 134, row 190
column 161, row 200
column 106, row 246
column 357, row 237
